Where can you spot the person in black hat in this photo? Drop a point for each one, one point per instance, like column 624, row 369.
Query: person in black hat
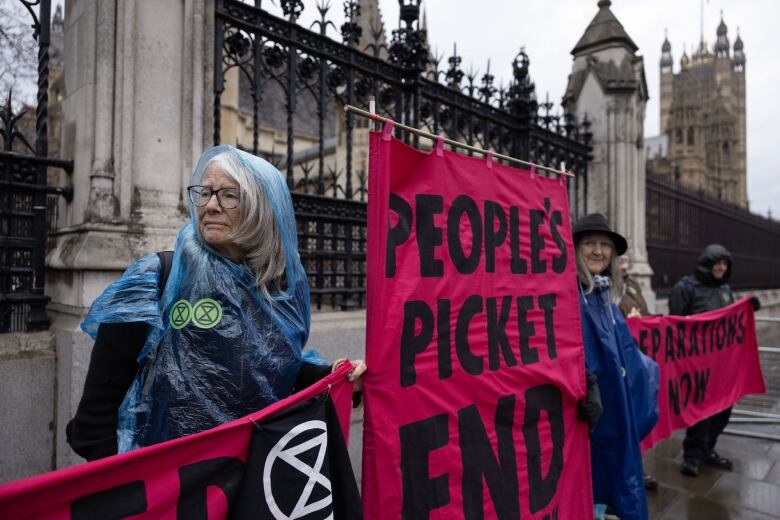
column 627, row 379
column 602, row 247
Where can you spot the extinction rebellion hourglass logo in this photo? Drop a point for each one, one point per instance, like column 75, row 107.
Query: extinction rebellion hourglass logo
column 298, row 468
column 205, row 314
column 301, row 451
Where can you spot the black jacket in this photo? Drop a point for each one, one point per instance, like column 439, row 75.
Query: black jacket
column 112, row 367
column 707, row 293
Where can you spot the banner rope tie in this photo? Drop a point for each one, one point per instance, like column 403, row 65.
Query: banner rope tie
column 387, row 129
column 440, row 146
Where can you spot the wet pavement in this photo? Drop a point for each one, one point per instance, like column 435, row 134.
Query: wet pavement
column 752, row 489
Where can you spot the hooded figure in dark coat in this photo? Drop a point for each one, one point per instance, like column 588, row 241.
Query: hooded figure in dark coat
column 706, row 290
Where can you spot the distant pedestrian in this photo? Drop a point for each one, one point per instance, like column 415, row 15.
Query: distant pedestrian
column 706, row 290
column 632, row 303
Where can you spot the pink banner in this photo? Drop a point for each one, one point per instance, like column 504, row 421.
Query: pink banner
column 708, row 362
column 474, row 342
column 192, row 475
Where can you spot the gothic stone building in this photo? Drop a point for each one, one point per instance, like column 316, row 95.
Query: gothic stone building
column 703, row 141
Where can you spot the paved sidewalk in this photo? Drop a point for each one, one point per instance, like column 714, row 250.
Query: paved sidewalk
column 338, row 334
column 751, row 491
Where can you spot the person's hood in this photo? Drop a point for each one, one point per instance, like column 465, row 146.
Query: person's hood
column 712, row 254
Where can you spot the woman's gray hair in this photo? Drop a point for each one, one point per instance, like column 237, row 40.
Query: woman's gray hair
column 257, row 232
column 586, row 279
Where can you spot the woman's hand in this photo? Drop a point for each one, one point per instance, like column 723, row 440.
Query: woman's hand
column 356, row 374
column 634, row 313
column 590, row 408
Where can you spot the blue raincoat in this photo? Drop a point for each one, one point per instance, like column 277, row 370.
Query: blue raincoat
column 628, row 382
column 217, row 348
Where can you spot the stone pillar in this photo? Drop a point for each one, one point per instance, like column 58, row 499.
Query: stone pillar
column 607, row 84
column 136, row 116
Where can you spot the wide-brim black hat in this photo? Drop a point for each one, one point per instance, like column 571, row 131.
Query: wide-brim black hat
column 597, row 223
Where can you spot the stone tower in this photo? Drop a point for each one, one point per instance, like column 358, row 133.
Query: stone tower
column 667, row 79
column 372, row 36
column 607, row 85
column 703, row 119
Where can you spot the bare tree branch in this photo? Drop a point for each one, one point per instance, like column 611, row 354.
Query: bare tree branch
column 18, row 54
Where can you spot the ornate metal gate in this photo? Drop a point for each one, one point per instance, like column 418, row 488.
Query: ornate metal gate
column 682, row 221
column 293, row 82
column 25, row 200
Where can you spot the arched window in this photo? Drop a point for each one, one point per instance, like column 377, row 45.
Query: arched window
column 690, row 136
column 726, row 151
column 678, row 136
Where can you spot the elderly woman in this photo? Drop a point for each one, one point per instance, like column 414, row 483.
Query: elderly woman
column 627, row 380
column 219, row 336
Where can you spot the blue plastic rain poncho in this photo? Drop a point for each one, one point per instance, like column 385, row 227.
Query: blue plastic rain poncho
column 628, row 382
column 217, row 348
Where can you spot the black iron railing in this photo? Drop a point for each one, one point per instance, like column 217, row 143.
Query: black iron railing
column 332, row 245
column 293, row 84
column 24, row 199
column 681, row 221
column 22, row 301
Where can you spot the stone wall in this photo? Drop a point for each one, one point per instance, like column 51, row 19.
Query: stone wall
column 27, row 403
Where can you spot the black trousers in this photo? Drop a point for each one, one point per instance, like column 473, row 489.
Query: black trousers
column 700, row 438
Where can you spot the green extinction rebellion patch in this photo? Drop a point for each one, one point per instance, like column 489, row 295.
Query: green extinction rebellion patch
column 180, row 315
column 206, row 313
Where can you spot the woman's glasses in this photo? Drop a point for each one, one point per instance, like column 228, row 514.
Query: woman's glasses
column 227, row 198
